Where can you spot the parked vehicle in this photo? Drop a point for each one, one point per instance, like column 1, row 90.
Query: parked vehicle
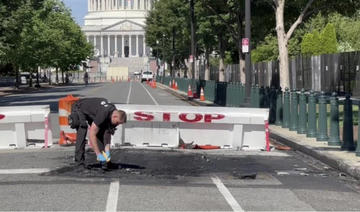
column 146, row 76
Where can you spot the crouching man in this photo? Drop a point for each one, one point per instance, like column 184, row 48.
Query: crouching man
column 103, row 118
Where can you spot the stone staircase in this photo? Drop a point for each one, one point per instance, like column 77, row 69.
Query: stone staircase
column 134, row 64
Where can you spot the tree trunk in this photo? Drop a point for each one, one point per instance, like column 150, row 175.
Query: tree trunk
column 221, row 62
column 207, row 65
column 17, row 80
column 30, row 79
column 57, row 75
column 282, row 43
column 241, row 64
column 37, row 78
column 62, row 76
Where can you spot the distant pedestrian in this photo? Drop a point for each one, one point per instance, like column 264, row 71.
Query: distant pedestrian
column 86, row 78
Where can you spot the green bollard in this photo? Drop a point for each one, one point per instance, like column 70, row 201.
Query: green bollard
column 302, row 113
column 279, row 107
column 272, row 105
column 322, row 121
column 286, row 109
column 257, row 96
column 252, row 96
column 311, row 129
column 334, row 139
column 348, row 132
column 293, row 111
column 358, row 141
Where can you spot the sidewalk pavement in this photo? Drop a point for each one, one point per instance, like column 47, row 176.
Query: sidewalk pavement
column 4, row 91
column 333, row 156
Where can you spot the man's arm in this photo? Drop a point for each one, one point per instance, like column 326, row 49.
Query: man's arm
column 93, row 132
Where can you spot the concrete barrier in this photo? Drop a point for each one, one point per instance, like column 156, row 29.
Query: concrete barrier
column 22, row 126
column 150, row 125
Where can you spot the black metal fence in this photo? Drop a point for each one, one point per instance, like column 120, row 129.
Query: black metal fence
column 331, row 72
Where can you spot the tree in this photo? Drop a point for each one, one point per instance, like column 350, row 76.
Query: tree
column 320, row 43
column 304, row 8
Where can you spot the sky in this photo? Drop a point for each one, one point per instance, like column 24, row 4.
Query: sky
column 78, row 9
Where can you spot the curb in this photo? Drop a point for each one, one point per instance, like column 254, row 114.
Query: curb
column 329, row 158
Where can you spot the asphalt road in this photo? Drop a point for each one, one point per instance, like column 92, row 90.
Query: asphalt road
column 164, row 179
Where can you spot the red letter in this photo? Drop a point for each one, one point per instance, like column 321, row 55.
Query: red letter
column 166, row 117
column 209, row 117
column 143, row 116
column 2, row 116
column 183, row 117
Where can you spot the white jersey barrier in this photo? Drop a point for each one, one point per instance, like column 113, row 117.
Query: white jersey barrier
column 21, row 126
column 150, row 125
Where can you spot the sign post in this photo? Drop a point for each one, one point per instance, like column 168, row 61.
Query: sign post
column 245, row 45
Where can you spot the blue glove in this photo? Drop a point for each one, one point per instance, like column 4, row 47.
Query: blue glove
column 101, row 158
column 108, row 155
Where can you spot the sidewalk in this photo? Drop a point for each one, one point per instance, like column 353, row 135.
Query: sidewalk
column 4, row 91
column 333, row 156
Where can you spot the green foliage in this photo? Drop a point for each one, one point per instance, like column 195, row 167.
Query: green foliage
column 40, row 33
column 320, row 43
column 266, row 50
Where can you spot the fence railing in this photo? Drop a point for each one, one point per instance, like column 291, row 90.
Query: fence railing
column 328, row 118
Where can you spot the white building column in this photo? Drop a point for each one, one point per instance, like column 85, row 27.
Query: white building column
column 115, row 49
column 136, row 4
column 137, row 46
column 108, row 38
column 116, row 4
column 144, row 47
column 103, row 5
column 122, row 46
column 89, row 5
column 95, row 41
column 102, row 45
column 130, row 46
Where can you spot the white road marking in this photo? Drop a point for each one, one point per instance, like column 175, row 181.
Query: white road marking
column 227, row 195
column 128, row 98
column 112, row 200
column 23, row 171
column 150, row 94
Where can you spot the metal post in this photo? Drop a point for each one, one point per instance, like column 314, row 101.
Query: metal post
column 279, row 108
column 311, row 129
column 302, row 113
column 358, row 141
column 322, row 121
column 293, row 111
column 334, row 125
column 248, row 55
column 193, row 39
column 286, row 111
column 348, row 132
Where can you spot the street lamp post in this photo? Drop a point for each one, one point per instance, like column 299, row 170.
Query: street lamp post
column 193, row 42
column 248, row 54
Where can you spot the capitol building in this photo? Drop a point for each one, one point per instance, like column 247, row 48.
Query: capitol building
column 116, row 28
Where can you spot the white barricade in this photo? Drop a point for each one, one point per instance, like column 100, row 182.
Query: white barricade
column 21, row 126
column 150, row 125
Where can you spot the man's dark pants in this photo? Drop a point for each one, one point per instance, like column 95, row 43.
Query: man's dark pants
column 103, row 138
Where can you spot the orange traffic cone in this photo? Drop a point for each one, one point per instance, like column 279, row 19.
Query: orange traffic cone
column 170, row 86
column 190, row 94
column 173, row 84
column 154, row 84
column 176, row 86
column 202, row 97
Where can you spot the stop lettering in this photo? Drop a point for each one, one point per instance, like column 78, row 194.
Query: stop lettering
column 184, row 117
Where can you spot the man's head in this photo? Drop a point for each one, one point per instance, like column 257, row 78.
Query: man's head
column 118, row 117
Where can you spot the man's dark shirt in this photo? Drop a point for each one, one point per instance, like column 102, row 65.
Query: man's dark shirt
column 97, row 110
